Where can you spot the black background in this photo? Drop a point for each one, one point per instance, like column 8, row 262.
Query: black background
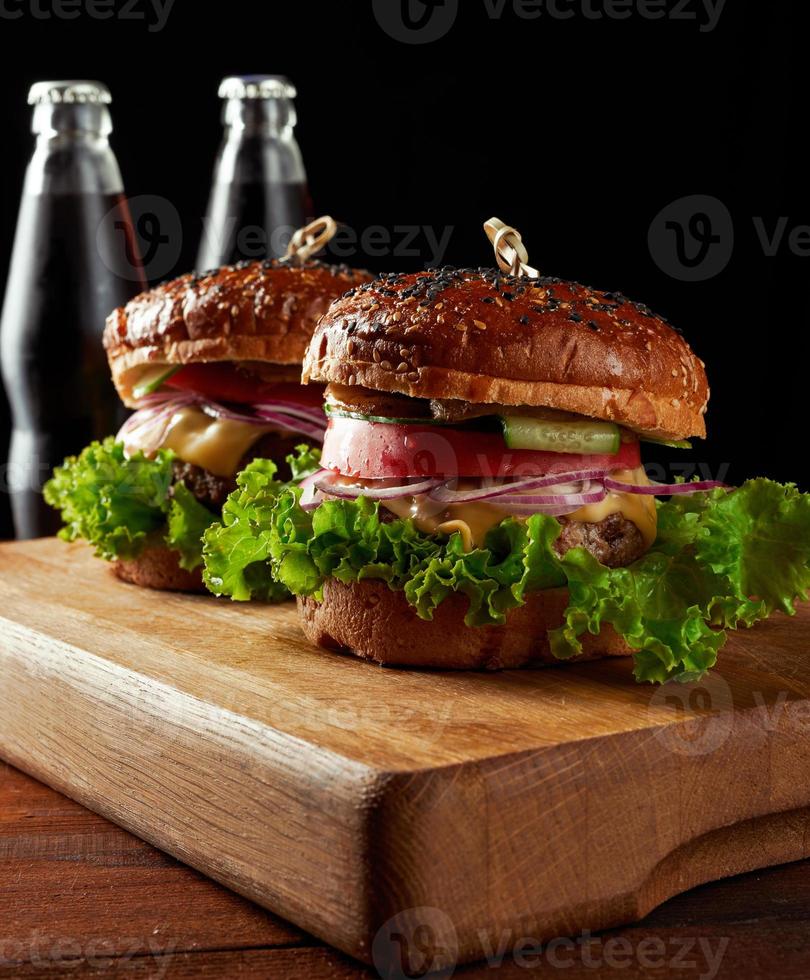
column 578, row 131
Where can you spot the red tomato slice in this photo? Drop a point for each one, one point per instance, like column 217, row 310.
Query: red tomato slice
column 224, row 383
column 381, row 450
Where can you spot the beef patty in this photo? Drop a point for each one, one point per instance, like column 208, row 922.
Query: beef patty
column 614, row 541
column 212, row 491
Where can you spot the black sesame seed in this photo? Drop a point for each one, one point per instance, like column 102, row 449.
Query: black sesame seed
column 575, row 317
column 593, row 325
column 524, row 320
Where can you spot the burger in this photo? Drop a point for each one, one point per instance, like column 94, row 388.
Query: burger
column 482, row 500
column 211, row 366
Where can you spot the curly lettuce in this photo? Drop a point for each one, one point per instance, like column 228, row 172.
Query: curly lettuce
column 120, row 504
column 721, row 560
column 114, row 501
column 235, row 550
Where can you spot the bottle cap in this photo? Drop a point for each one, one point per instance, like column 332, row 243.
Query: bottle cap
column 256, row 87
column 69, row 93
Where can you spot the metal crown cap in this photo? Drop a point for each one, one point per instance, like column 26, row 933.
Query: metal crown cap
column 256, row 87
column 69, row 93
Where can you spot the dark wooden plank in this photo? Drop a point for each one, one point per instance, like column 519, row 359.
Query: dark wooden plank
column 67, row 874
column 80, row 897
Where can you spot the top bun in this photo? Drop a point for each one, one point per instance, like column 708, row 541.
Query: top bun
column 482, row 336
column 252, row 311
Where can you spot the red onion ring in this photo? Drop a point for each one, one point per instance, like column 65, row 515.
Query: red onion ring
column 590, row 493
column 445, row 495
column 311, row 496
column 664, row 489
column 283, row 414
column 343, row 492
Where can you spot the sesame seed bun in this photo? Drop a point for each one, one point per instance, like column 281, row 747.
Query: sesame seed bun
column 370, row 621
column 253, row 311
column 489, row 338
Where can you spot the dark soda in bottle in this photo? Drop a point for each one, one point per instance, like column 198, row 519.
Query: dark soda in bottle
column 75, row 258
column 259, row 195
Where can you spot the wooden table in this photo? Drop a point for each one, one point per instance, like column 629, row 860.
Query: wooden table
column 81, row 898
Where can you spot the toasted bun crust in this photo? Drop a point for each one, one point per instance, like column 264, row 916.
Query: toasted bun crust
column 486, row 337
column 369, row 620
column 253, row 311
column 159, row 568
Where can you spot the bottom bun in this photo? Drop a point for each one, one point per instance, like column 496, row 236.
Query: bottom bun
column 369, row 620
column 159, row 568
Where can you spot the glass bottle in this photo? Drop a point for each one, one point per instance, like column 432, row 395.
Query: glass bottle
column 259, row 194
column 75, row 258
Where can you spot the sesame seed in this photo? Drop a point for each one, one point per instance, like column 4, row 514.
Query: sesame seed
column 413, row 376
column 403, row 367
column 350, row 347
column 234, row 310
column 396, row 317
column 674, row 373
column 377, row 357
column 480, row 324
column 404, row 351
column 385, row 365
column 461, row 325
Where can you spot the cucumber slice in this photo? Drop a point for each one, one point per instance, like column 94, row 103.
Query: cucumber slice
column 153, row 380
column 340, row 413
column 673, row 444
column 591, row 438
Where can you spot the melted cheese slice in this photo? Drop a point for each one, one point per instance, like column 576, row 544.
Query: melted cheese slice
column 473, row 520
column 637, row 508
column 217, row 445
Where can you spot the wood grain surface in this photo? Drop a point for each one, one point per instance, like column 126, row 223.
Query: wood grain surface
column 399, row 813
column 81, row 898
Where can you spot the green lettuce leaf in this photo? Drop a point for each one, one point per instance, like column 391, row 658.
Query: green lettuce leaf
column 114, row 502
column 187, row 522
column 236, row 551
column 721, row 560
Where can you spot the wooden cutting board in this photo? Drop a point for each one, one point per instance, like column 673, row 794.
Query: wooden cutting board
column 399, row 815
